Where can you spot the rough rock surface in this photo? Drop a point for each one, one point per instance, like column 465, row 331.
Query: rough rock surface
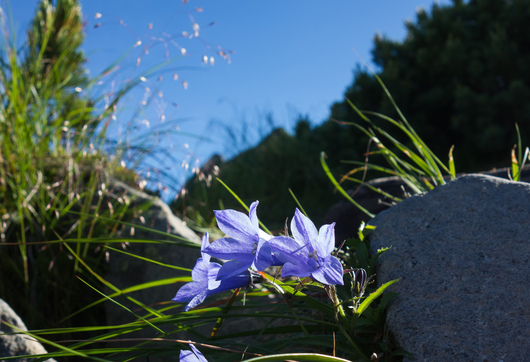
column 463, row 252
column 348, row 217
column 126, row 271
column 16, row 344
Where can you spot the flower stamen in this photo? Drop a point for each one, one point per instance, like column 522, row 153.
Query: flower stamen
column 254, row 248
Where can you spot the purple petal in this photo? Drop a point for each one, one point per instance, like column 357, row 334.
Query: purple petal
column 287, row 249
column 325, row 242
column 196, row 300
column 200, row 270
column 187, row 292
column 236, row 225
column 252, row 213
column 330, row 273
column 192, row 356
column 237, row 281
column 197, row 291
column 302, row 228
column 301, row 270
column 213, row 271
column 263, row 256
column 228, row 248
column 263, row 235
column 194, row 293
column 233, row 267
column 205, row 243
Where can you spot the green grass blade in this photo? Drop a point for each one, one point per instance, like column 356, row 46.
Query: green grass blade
column 225, row 311
column 366, row 303
column 134, row 288
column 108, row 284
column 241, row 202
column 48, row 342
column 452, row 168
column 124, row 307
column 148, row 260
column 298, row 202
column 515, row 166
column 339, row 187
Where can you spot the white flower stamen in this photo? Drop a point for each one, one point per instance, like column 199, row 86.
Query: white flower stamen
column 313, row 255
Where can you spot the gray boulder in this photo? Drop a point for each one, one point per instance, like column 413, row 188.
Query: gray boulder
column 16, row 344
column 348, row 217
column 462, row 251
column 154, row 221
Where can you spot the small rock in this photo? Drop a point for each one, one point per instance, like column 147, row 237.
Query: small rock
column 16, row 344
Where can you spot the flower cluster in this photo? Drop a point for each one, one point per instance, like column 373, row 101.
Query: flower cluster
column 306, row 254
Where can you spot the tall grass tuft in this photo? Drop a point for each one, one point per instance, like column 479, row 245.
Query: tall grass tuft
column 58, row 160
column 406, row 155
column 53, row 172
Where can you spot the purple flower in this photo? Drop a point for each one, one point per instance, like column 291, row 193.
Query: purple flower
column 192, row 356
column 204, row 280
column 309, row 252
column 246, row 245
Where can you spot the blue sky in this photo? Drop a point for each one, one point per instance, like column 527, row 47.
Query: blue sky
column 289, row 58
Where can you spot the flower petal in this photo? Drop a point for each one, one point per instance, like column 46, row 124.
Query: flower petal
column 299, row 270
column 233, row 267
column 287, row 249
column 331, row 273
column 302, row 228
column 205, row 243
column 237, row 281
column 325, row 242
column 213, row 271
column 194, row 293
column 192, row 356
column 263, row 257
column 196, row 300
column 252, row 214
column 263, row 235
column 200, row 270
column 236, row 225
column 228, row 248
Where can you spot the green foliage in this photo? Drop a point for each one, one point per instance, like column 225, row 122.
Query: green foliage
column 461, row 76
column 274, row 320
column 519, row 160
column 417, row 166
column 54, row 174
column 54, row 61
column 280, row 163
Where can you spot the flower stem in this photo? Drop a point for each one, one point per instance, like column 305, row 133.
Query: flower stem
column 343, row 319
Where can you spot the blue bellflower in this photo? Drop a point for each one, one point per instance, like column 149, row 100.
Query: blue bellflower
column 246, row 246
column 192, row 356
column 204, row 280
column 308, row 253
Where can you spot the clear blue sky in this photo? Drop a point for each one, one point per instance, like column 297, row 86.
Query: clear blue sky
column 290, row 57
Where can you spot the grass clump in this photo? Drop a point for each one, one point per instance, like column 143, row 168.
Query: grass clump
column 50, row 162
column 57, row 168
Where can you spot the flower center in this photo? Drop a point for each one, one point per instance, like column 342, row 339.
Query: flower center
column 313, row 255
column 254, row 248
